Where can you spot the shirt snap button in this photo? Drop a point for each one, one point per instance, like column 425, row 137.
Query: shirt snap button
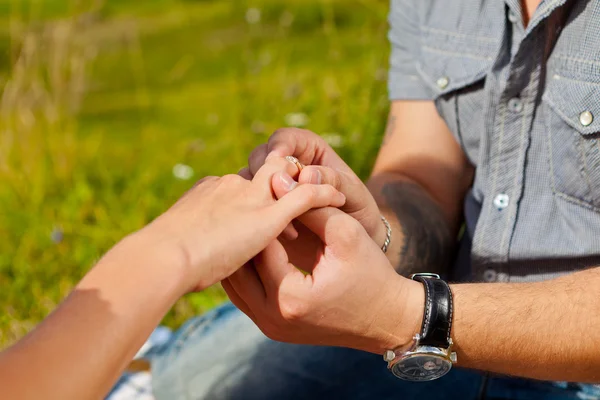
column 515, row 105
column 443, row 82
column 512, row 17
column 489, row 275
column 501, row 201
column 586, row 118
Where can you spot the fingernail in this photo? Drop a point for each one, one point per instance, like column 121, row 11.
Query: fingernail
column 288, row 182
column 314, row 177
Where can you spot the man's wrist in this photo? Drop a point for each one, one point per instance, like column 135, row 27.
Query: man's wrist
column 402, row 317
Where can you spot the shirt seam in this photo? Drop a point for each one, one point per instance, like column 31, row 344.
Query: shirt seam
column 458, row 35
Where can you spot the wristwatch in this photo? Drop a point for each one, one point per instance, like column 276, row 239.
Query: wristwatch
column 430, row 354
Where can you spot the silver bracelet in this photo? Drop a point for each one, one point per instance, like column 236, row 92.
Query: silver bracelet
column 388, row 235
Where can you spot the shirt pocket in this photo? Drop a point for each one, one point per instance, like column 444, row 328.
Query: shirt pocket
column 455, row 71
column 572, row 107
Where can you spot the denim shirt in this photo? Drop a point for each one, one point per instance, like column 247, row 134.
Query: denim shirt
column 524, row 104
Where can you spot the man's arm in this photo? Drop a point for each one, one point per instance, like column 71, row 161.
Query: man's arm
column 419, row 182
column 543, row 330
column 546, row 330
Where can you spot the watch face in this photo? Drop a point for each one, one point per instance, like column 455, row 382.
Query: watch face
column 421, row 367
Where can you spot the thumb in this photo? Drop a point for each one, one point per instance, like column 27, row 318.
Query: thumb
column 358, row 197
column 330, row 224
column 282, row 183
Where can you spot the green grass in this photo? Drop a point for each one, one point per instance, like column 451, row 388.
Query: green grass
column 100, row 99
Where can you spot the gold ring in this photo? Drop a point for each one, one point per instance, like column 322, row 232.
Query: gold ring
column 295, row 161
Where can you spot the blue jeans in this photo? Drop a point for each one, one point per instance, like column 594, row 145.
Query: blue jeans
column 223, row 355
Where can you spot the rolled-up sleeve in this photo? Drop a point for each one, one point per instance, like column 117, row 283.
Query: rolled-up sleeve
column 404, row 82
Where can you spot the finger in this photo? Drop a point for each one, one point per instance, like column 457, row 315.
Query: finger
column 272, row 266
column 290, row 232
column 262, row 178
column 273, row 165
column 257, row 158
column 307, row 146
column 245, row 173
column 349, row 184
column 335, row 228
column 299, row 199
column 237, row 300
column 246, row 283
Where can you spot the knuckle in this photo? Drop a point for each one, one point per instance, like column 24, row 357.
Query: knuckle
column 230, row 179
column 354, row 229
column 292, row 310
column 336, row 179
column 285, row 131
column 352, row 232
column 204, row 181
column 256, row 153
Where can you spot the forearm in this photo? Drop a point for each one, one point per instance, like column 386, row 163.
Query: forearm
column 423, row 240
column 81, row 348
column 547, row 330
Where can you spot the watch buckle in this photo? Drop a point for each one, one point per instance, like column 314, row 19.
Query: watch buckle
column 424, row 275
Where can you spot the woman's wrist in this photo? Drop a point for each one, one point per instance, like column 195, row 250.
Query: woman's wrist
column 158, row 257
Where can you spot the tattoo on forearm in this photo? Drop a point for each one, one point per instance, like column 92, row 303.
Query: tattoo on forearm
column 389, row 129
column 428, row 245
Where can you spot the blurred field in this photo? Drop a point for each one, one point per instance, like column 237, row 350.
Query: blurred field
column 99, row 100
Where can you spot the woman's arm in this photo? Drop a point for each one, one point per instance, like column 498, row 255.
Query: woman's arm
column 81, row 348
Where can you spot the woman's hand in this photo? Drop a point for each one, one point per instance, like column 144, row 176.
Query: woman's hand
column 221, row 223
column 210, row 232
column 353, row 298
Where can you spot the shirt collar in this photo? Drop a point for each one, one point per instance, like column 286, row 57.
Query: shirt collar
column 543, row 11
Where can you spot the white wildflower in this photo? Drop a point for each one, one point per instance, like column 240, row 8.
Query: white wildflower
column 183, row 172
column 333, row 139
column 265, row 58
column 286, row 20
column 296, row 119
column 57, row 235
column 253, row 16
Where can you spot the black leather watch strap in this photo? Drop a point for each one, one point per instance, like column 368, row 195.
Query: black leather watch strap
column 437, row 320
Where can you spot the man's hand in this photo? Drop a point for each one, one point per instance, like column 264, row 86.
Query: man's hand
column 344, row 302
column 323, row 166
